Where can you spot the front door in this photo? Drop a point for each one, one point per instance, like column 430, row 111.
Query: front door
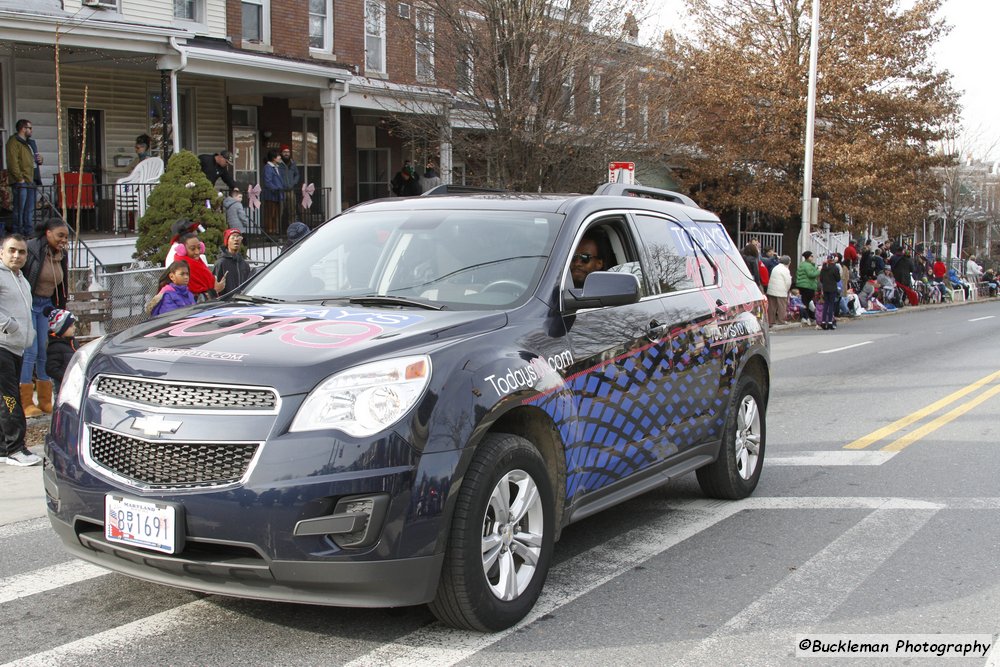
column 92, row 152
column 619, row 368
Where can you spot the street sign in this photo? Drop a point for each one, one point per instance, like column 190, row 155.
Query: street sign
column 621, row 172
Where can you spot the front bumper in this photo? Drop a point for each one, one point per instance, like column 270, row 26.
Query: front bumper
column 385, row 583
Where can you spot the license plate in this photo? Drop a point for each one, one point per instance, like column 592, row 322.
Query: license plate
column 141, row 523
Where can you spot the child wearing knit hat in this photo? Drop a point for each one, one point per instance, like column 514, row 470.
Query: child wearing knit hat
column 61, row 345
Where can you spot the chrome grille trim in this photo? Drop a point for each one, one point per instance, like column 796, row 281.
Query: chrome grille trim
column 168, row 464
column 185, row 396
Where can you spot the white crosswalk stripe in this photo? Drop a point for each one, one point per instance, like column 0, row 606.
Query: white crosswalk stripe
column 47, row 579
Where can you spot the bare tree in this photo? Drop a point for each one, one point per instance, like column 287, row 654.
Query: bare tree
column 543, row 93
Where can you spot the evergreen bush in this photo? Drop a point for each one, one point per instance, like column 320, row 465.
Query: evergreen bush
column 181, row 194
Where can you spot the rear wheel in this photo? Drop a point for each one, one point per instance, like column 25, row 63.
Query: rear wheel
column 735, row 473
column 501, row 538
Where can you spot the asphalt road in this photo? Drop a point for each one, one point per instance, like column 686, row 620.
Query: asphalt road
column 877, row 514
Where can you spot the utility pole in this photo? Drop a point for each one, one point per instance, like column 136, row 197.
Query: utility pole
column 807, row 207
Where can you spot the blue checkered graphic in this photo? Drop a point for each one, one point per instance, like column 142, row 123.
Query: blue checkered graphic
column 621, row 417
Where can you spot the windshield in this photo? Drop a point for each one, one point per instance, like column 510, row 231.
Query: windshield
column 457, row 260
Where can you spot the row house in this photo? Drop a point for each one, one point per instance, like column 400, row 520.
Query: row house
column 249, row 75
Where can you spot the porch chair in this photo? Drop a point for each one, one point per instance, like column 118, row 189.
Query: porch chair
column 131, row 191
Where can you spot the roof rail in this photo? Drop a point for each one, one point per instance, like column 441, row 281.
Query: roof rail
column 452, row 189
column 621, row 190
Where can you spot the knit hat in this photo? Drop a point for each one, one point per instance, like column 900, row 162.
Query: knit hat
column 227, row 234
column 297, row 230
column 285, row 147
column 60, row 321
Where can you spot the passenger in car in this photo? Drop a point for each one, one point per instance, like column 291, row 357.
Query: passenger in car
column 585, row 260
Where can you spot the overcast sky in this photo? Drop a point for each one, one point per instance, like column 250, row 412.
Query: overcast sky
column 966, row 52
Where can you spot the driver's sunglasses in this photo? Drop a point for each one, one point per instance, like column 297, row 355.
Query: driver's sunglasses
column 583, row 258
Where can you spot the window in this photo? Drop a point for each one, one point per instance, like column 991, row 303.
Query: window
column 568, row 96
column 320, row 25
column 375, row 36
column 373, row 173
column 425, row 45
column 159, row 118
column 465, row 70
column 595, row 94
column 673, row 261
column 187, row 10
column 257, row 21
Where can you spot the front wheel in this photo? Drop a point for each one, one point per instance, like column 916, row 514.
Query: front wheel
column 735, row 473
column 501, row 538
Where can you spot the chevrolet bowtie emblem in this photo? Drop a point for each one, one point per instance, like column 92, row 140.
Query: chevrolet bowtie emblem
column 155, row 425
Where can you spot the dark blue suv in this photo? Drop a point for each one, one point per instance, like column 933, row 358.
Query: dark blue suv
column 409, row 405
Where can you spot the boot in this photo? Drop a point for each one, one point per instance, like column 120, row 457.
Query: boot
column 28, row 401
column 44, row 388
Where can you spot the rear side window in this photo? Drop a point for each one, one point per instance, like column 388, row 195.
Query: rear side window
column 673, row 260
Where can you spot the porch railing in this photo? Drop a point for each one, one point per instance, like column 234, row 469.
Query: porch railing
column 116, row 209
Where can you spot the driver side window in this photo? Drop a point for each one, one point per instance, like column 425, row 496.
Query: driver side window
column 605, row 246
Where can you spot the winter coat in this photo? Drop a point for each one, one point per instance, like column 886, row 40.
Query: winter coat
column 60, row 351
column 37, row 254
column 753, row 265
column 806, row 275
column 214, row 172
column 17, row 329
column 780, row 282
column 174, row 297
column 20, row 161
column 236, row 269
column 829, row 276
column 273, row 183
column 202, row 280
column 430, row 180
column 902, row 269
column 236, row 215
column 289, row 174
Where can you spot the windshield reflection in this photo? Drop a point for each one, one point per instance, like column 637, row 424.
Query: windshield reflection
column 457, row 260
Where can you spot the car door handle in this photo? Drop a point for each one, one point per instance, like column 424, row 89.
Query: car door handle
column 721, row 307
column 655, row 330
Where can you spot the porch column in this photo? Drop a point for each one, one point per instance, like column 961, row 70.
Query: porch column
column 329, row 99
column 445, row 148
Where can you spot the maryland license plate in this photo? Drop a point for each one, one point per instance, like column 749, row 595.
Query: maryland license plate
column 141, row 523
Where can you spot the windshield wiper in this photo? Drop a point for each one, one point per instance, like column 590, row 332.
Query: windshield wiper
column 246, row 298
column 387, row 300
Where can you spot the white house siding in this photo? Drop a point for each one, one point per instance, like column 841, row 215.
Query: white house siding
column 161, row 13
column 122, row 95
column 33, row 89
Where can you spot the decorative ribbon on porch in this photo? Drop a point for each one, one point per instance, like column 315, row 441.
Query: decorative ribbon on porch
column 254, row 192
column 307, row 190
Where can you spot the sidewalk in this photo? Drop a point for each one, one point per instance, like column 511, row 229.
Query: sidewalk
column 23, row 494
column 900, row 311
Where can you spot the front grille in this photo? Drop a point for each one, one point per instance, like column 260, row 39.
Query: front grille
column 186, row 396
column 170, row 464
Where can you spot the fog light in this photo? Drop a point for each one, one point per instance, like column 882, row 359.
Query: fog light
column 369, row 511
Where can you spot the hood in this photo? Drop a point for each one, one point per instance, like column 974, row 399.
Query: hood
column 290, row 347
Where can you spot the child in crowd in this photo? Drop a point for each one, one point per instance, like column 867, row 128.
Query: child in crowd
column 61, row 345
column 174, row 292
column 795, row 304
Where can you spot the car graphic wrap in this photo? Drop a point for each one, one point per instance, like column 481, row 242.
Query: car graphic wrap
column 600, row 409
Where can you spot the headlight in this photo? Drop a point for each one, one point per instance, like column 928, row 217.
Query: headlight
column 364, row 400
column 71, row 390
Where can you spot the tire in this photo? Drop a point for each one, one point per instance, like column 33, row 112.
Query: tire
column 494, row 569
column 735, row 473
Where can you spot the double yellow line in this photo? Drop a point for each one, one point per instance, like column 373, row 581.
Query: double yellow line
column 933, row 425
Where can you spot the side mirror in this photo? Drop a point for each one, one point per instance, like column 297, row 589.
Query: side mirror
column 603, row 288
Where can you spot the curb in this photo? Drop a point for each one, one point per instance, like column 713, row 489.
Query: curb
column 791, row 326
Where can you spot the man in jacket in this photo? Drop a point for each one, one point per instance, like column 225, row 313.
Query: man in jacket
column 829, row 278
column 21, row 176
column 16, row 333
column 272, row 192
column 216, row 166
